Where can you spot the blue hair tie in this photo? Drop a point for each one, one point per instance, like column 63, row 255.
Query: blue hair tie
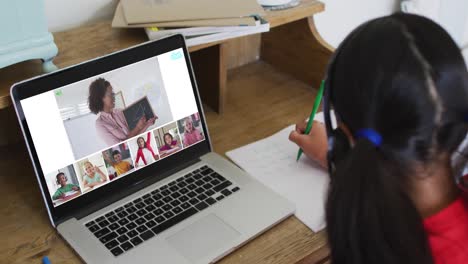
column 371, row 135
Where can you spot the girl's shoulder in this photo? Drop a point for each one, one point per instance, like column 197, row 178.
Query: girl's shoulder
column 448, row 232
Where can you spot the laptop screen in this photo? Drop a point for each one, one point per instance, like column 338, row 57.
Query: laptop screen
column 93, row 132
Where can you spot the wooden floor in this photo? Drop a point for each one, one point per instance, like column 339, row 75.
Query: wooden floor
column 260, row 102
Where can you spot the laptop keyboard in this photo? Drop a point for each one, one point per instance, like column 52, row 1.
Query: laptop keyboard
column 141, row 219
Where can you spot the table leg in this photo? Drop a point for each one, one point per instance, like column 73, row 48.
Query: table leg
column 210, row 70
column 297, row 48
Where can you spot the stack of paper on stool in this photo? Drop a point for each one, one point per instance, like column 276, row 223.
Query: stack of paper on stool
column 200, row 21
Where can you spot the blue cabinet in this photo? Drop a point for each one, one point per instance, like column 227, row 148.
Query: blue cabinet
column 24, row 34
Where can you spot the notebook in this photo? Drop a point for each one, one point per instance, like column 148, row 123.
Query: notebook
column 119, row 21
column 147, row 11
column 272, row 161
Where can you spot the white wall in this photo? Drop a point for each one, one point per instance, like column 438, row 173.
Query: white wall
column 66, row 14
column 451, row 14
column 342, row 16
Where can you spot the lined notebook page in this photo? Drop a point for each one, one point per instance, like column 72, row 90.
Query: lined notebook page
column 272, row 161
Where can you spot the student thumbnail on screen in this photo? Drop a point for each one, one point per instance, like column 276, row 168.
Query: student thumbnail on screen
column 143, row 150
column 168, row 139
column 63, row 185
column 92, row 172
column 190, row 129
column 118, row 160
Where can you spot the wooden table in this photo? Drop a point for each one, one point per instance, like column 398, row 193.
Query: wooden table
column 261, row 101
column 256, row 100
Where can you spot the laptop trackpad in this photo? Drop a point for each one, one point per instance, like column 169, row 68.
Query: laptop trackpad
column 202, row 237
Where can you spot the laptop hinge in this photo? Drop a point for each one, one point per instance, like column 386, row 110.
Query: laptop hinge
column 128, row 191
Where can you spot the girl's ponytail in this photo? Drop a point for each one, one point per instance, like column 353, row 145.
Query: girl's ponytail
column 376, row 222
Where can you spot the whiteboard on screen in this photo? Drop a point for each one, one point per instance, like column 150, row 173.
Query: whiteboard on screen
column 83, row 137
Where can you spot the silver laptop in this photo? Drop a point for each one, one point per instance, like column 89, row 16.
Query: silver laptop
column 123, row 158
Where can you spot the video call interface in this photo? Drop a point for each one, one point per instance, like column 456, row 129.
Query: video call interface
column 98, row 130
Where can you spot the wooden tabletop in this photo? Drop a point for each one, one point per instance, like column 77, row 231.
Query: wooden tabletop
column 97, row 39
column 261, row 101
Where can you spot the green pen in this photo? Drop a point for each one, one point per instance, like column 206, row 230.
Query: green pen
column 318, row 99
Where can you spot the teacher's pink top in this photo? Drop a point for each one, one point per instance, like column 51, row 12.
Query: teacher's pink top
column 112, row 127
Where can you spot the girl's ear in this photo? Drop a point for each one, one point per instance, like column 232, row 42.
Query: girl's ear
column 347, row 133
column 341, row 145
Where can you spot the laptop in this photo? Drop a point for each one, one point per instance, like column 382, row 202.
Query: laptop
column 124, row 161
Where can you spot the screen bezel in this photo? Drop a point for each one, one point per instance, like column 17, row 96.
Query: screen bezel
column 141, row 177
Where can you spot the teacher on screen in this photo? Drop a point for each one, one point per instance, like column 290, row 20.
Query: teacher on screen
column 110, row 123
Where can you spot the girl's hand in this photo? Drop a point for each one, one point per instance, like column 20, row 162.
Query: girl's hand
column 103, row 176
column 96, row 168
column 141, row 123
column 75, row 188
column 149, row 123
column 152, row 120
column 314, row 144
column 139, row 128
